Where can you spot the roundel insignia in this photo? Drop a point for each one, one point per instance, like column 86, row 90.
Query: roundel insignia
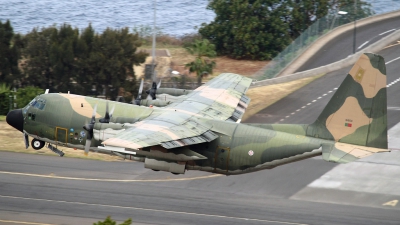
column 83, row 133
column 251, row 153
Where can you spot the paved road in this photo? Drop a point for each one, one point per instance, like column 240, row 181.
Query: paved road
column 342, row 46
column 258, row 198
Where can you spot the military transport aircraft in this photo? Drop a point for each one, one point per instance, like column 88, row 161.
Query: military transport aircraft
column 198, row 131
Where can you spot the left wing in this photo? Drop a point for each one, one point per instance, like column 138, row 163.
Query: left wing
column 183, row 123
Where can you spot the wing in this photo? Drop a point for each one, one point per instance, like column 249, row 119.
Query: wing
column 222, row 98
column 186, row 122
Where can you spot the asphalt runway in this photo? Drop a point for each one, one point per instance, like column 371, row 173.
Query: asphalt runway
column 342, row 46
column 38, row 189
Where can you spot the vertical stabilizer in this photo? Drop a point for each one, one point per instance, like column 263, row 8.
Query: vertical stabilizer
column 357, row 112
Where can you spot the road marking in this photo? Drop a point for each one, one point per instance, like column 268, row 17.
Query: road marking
column 152, row 210
column 303, row 107
column 363, row 44
column 392, row 203
column 319, row 97
column 392, row 60
column 108, row 180
column 308, row 103
column 22, row 222
column 313, row 100
column 387, row 31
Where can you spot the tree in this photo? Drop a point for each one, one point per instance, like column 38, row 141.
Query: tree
column 109, row 221
column 62, row 60
column 112, row 60
column 203, row 50
column 9, row 54
column 304, row 13
column 248, row 29
column 260, row 29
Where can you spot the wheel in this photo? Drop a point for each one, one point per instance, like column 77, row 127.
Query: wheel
column 37, row 144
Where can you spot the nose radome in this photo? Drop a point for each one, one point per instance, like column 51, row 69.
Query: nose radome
column 16, row 119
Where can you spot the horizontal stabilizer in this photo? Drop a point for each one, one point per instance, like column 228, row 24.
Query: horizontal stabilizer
column 344, row 153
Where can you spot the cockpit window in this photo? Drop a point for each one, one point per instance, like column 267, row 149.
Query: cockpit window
column 40, row 104
column 37, row 103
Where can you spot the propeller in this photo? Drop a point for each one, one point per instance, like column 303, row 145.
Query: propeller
column 89, row 128
column 108, row 115
column 139, row 97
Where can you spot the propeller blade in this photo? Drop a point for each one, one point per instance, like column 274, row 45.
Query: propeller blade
column 112, row 111
column 94, row 114
column 26, row 140
column 159, row 84
column 141, row 88
column 107, row 116
column 139, row 96
column 87, row 146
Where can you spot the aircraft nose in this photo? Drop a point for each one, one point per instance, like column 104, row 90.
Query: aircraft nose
column 16, row 119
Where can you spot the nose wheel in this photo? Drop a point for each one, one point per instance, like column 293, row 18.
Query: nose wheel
column 37, row 144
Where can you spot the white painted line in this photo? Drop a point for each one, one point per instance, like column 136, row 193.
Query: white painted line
column 303, row 107
column 329, row 91
column 297, row 110
column 292, row 113
column 23, row 222
column 392, row 60
column 309, row 104
column 387, row 31
column 319, row 97
column 108, row 180
column 282, row 120
column 363, row 44
column 314, row 100
column 149, row 210
column 324, row 94
column 286, row 116
column 335, row 88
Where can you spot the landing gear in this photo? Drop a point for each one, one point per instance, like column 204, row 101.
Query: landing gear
column 37, row 144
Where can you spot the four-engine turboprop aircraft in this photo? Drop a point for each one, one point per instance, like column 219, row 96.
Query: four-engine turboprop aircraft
column 198, row 131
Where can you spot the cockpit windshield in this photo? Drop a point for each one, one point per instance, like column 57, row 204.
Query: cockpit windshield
column 36, row 103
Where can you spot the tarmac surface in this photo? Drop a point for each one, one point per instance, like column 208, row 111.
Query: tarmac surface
column 38, row 189
column 342, row 46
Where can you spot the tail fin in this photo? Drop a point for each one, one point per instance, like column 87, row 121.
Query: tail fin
column 356, row 114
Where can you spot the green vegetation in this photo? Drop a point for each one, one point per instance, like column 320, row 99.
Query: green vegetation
column 109, row 221
column 260, row 29
column 202, row 65
column 62, row 60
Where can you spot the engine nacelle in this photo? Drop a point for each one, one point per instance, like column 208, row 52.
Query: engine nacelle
column 173, row 167
column 173, row 91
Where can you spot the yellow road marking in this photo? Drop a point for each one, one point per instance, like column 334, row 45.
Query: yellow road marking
column 155, row 210
column 391, row 203
column 107, row 180
column 398, row 43
column 23, row 222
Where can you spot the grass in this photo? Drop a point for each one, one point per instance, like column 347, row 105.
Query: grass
column 2, row 118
